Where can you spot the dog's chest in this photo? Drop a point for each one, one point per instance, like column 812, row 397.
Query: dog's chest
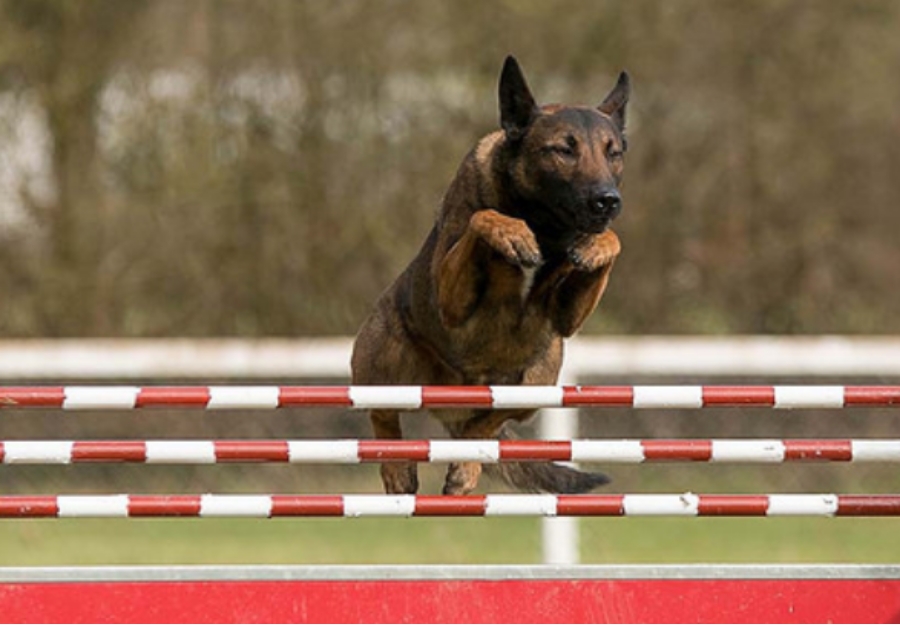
column 509, row 329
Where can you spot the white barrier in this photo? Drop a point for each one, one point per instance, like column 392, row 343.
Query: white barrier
column 329, row 358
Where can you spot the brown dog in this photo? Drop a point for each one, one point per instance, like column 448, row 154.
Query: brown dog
column 519, row 257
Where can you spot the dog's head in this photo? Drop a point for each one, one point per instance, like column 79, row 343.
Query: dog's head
column 563, row 163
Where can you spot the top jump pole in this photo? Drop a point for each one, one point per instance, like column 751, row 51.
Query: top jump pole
column 419, row 397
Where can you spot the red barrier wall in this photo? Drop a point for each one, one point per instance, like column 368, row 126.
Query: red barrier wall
column 449, row 601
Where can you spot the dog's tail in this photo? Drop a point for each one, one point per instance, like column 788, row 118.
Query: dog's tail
column 546, row 477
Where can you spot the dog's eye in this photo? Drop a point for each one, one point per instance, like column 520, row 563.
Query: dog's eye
column 614, row 153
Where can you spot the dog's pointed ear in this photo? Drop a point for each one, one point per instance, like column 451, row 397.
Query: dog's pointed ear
column 614, row 103
column 517, row 106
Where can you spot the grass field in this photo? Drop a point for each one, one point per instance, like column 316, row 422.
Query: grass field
column 49, row 542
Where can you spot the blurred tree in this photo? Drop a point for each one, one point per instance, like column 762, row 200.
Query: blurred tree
column 230, row 167
column 61, row 54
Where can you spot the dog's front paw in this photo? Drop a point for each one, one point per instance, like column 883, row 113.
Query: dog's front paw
column 594, row 251
column 509, row 236
column 521, row 248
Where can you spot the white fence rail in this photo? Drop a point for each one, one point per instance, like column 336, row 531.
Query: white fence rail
column 329, row 358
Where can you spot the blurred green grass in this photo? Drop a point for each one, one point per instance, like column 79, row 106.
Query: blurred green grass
column 52, row 542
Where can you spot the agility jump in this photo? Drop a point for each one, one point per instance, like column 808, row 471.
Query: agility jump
column 765, row 593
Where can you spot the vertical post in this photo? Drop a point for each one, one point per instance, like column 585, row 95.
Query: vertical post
column 559, row 536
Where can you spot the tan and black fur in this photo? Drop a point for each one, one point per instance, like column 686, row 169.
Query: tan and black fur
column 518, row 258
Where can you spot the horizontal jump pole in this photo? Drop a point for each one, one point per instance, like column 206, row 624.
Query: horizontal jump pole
column 415, row 397
column 349, row 451
column 269, row 506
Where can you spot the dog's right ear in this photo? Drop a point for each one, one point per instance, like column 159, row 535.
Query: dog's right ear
column 517, row 106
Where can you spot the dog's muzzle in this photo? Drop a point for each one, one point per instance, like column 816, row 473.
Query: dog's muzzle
column 607, row 203
column 604, row 206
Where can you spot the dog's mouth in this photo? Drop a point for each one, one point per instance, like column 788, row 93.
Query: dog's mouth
column 597, row 221
column 564, row 220
column 597, row 227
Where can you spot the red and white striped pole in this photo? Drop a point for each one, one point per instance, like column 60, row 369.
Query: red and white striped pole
column 416, row 397
column 349, row 451
column 268, row 506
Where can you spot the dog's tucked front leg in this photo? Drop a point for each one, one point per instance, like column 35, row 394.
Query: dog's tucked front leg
column 509, row 236
column 461, row 273
column 592, row 259
column 595, row 251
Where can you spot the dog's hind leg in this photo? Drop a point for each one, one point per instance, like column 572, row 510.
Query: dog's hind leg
column 399, row 478
column 534, row 477
column 462, row 477
column 548, row 477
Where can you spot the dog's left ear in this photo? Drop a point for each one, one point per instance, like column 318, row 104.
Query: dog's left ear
column 517, row 106
column 614, row 103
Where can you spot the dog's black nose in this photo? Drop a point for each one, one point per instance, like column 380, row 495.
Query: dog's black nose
column 608, row 202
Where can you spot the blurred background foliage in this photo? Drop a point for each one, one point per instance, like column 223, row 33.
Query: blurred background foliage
column 228, row 167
